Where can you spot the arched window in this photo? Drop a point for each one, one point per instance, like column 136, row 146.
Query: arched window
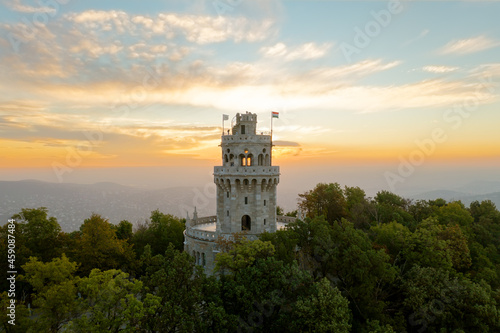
column 267, row 160
column 250, row 160
column 243, row 160
column 226, row 158
column 246, row 223
column 203, row 259
column 261, row 159
column 242, row 129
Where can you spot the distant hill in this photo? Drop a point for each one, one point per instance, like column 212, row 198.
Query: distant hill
column 71, row 204
column 454, row 196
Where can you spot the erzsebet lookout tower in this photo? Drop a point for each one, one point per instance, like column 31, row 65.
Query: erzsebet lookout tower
column 246, row 192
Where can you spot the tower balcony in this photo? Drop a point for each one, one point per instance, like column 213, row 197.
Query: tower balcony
column 203, row 229
column 247, row 171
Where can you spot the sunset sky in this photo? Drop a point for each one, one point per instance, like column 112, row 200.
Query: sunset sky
column 134, row 91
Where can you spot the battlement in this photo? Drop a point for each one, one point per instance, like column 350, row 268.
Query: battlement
column 244, row 124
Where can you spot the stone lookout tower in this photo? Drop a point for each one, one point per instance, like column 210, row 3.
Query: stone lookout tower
column 246, row 192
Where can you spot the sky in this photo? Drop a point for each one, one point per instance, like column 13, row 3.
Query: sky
column 397, row 95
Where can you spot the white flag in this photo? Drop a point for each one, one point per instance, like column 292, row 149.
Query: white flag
column 225, row 117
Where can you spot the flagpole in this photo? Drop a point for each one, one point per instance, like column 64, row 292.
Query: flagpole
column 271, row 154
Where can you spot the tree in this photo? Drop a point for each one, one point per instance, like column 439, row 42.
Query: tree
column 324, row 200
column 100, row 248
column 40, row 233
column 187, row 302
column 243, row 255
column 324, row 310
column 457, row 247
column 421, row 210
column 258, row 290
column 111, row 301
column 20, row 317
column 358, row 207
column 426, row 249
column 486, row 225
column 436, row 302
column 346, row 256
column 56, row 292
column 455, row 213
column 124, row 230
column 393, row 237
column 162, row 230
column 391, row 207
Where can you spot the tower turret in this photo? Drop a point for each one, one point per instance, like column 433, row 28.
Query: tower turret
column 246, row 182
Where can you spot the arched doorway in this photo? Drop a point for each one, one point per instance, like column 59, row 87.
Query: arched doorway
column 246, row 223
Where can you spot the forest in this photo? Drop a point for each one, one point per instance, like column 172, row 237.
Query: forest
column 353, row 264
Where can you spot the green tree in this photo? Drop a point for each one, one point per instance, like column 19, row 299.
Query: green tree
column 426, row 249
column 359, row 209
column 435, row 302
column 162, row 230
column 243, row 255
column 346, row 256
column 111, row 302
column 391, row 236
column 259, row 292
column 455, row 213
column 40, row 233
column 56, row 292
column 186, row 296
column 324, row 200
column 100, row 248
column 486, row 225
column 457, row 247
column 391, row 207
column 421, row 210
column 323, row 310
column 124, row 230
column 20, row 317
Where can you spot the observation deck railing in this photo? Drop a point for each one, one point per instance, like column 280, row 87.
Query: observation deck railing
column 247, row 170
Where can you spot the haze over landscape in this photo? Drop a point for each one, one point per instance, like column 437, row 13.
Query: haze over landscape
column 401, row 96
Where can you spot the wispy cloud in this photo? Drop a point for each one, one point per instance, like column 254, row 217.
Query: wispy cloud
column 439, row 69
column 19, row 6
column 469, row 45
column 420, row 36
column 305, row 51
column 200, row 29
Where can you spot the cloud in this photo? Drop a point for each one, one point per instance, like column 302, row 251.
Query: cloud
column 439, row 69
column 286, row 143
column 470, row 45
column 422, row 34
column 305, row 51
column 199, row 29
column 18, row 6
